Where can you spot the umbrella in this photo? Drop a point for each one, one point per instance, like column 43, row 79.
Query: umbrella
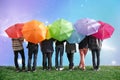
column 48, row 36
column 34, row 31
column 14, row 31
column 105, row 31
column 87, row 26
column 61, row 29
column 75, row 37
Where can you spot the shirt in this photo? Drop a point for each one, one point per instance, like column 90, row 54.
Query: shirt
column 17, row 44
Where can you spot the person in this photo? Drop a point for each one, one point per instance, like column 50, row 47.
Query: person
column 95, row 44
column 47, row 51
column 32, row 51
column 83, row 49
column 59, row 49
column 17, row 44
column 70, row 50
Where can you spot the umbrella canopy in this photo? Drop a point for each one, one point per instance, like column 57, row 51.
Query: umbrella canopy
column 75, row 37
column 87, row 26
column 61, row 29
column 34, row 31
column 105, row 31
column 15, row 30
column 48, row 36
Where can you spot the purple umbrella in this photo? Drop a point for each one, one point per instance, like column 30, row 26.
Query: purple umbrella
column 87, row 26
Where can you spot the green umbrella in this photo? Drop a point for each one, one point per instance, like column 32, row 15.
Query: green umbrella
column 61, row 29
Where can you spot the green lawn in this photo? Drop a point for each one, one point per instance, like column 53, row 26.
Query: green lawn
column 105, row 73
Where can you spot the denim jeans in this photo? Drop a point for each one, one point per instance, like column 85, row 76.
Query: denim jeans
column 16, row 58
column 32, row 52
column 96, row 58
column 59, row 53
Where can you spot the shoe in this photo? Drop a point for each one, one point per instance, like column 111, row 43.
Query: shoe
column 56, row 68
column 61, row 69
column 23, row 69
column 73, row 68
column 83, row 68
column 34, row 70
column 17, row 70
column 94, row 69
column 29, row 70
column 49, row 69
column 79, row 67
column 98, row 69
column 44, row 68
column 70, row 69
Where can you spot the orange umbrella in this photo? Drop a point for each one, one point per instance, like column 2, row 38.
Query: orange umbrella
column 34, row 31
column 15, row 30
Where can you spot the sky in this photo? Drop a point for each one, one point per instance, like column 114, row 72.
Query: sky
column 47, row 11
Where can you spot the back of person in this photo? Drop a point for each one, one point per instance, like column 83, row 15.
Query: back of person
column 32, row 51
column 32, row 45
column 18, row 49
column 83, row 49
column 17, row 44
column 59, row 43
column 47, row 45
column 47, row 51
column 84, row 43
column 70, row 48
column 94, row 43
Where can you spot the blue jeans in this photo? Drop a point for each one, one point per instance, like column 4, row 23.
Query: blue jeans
column 59, row 53
column 32, row 52
column 96, row 58
column 16, row 58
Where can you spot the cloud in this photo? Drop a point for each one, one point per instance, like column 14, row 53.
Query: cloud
column 108, row 46
column 113, row 62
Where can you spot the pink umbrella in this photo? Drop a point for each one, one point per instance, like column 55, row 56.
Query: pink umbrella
column 105, row 31
column 87, row 26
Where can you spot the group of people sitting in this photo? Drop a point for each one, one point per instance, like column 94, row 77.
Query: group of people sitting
column 47, row 49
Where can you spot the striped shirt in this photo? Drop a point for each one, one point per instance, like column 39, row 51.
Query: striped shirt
column 17, row 44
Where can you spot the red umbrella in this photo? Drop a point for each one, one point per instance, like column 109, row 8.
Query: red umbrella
column 105, row 31
column 15, row 30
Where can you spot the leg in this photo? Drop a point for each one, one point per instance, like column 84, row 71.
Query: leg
column 29, row 59
column 81, row 58
column 56, row 57
column 35, row 61
column 61, row 56
column 93, row 59
column 49, row 60
column 15, row 59
column 84, row 53
column 23, row 59
column 68, row 56
column 98, row 58
column 44, row 61
column 71, row 61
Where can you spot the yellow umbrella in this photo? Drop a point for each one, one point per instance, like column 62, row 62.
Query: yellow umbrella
column 48, row 36
column 34, row 31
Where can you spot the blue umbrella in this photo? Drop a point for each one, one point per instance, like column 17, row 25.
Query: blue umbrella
column 75, row 37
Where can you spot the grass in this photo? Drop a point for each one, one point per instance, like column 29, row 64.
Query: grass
column 105, row 73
